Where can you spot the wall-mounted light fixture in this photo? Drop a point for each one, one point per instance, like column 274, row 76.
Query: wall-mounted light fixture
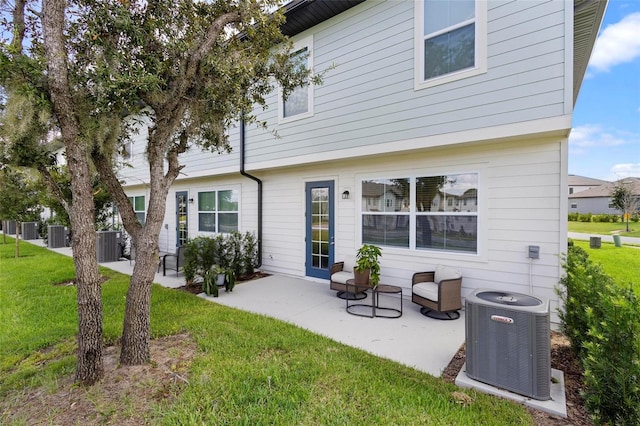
column 345, row 195
column 191, row 200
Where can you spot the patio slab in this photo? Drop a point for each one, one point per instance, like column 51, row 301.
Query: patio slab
column 412, row 340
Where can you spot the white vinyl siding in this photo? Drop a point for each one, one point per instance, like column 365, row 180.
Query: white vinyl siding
column 368, row 99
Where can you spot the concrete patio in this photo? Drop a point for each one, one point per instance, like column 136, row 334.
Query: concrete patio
column 413, row 339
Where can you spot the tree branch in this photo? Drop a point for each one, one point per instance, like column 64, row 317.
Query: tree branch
column 110, row 180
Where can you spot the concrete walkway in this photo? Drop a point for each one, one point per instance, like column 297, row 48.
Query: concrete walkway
column 605, row 238
column 413, row 339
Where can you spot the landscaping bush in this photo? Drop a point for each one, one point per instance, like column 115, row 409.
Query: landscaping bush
column 605, row 218
column 584, row 217
column 612, row 362
column 573, row 217
column 233, row 252
column 602, row 321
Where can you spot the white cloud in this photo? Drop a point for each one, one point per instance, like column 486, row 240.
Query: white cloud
column 592, row 135
column 621, row 171
column 618, row 43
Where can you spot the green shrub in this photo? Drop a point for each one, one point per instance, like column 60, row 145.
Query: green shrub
column 585, row 217
column 573, row 217
column 605, row 218
column 580, row 287
column 612, row 362
column 233, row 252
column 602, row 321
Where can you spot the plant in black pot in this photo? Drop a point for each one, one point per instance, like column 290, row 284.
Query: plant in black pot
column 367, row 269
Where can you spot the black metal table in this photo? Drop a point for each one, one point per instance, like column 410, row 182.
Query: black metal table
column 376, row 309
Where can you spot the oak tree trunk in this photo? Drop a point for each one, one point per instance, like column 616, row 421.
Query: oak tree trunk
column 89, row 367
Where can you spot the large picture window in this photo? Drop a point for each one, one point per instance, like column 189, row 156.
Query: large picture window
column 437, row 212
column 450, row 40
column 218, row 211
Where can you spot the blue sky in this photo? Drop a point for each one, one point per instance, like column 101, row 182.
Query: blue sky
column 605, row 140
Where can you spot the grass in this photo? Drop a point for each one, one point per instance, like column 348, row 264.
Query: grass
column 606, row 228
column 621, row 263
column 250, row 369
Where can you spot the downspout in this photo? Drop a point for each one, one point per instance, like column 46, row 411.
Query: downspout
column 259, row 182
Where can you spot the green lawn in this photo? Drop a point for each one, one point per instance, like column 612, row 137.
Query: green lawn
column 621, row 263
column 249, row 369
column 606, row 228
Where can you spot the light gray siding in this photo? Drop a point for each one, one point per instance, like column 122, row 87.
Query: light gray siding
column 369, row 97
column 519, row 192
column 595, row 205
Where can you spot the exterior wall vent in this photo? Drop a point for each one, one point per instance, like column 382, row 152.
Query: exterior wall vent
column 108, row 245
column 508, row 343
column 56, row 236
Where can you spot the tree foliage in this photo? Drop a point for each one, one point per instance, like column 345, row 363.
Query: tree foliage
column 96, row 71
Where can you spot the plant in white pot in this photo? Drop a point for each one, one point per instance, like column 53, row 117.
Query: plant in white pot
column 367, row 269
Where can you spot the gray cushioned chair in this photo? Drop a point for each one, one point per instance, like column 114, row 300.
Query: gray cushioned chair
column 338, row 282
column 438, row 292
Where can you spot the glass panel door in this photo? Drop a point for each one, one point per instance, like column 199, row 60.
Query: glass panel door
column 319, row 229
column 182, row 218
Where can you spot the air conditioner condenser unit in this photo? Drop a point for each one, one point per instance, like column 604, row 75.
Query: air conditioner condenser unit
column 508, row 342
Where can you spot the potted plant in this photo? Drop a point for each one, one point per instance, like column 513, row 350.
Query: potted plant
column 209, row 284
column 367, row 269
column 220, row 274
column 230, row 280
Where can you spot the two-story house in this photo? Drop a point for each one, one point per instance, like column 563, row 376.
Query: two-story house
column 440, row 135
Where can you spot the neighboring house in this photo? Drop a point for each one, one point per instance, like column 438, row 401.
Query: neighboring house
column 597, row 200
column 581, row 183
column 430, row 105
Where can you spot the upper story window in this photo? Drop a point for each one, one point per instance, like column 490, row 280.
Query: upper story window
column 299, row 103
column 127, row 150
column 450, row 40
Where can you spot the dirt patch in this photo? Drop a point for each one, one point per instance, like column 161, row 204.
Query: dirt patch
column 563, row 359
column 122, row 398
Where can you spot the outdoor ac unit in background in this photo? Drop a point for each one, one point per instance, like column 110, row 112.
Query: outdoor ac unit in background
column 9, row 227
column 508, row 342
column 56, row 236
column 108, row 245
column 29, row 230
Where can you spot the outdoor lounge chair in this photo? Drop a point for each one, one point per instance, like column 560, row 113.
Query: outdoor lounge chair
column 338, row 282
column 438, row 292
column 173, row 261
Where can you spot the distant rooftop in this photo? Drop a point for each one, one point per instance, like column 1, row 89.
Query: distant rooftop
column 606, row 189
column 575, row 180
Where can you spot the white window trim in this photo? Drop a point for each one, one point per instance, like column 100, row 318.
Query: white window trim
column 217, row 210
column 480, row 49
column 300, row 44
column 481, row 213
column 129, row 150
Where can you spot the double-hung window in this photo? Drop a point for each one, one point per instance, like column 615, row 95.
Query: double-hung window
column 423, row 212
column 299, row 103
column 138, row 203
column 218, row 211
column 450, row 40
